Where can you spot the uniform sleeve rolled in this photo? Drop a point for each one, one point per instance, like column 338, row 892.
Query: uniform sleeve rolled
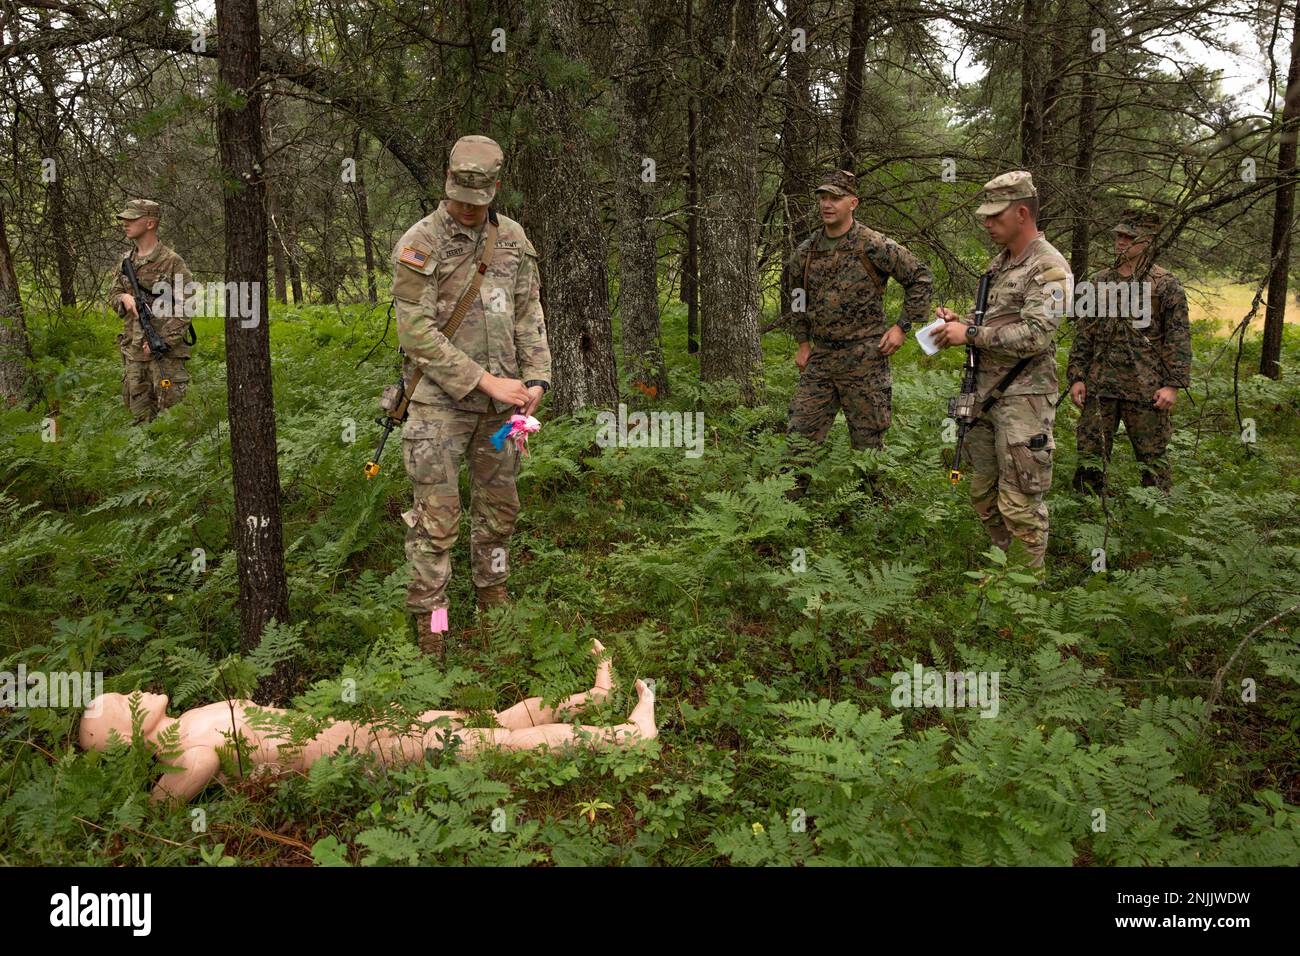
column 1040, row 317
column 116, row 290
column 414, row 301
column 910, row 272
column 1177, row 344
column 532, row 351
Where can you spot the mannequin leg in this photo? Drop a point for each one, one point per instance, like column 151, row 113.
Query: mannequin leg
column 530, row 712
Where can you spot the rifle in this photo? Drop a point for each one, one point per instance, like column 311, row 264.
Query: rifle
column 963, row 408
column 397, row 397
column 394, row 402
column 144, row 315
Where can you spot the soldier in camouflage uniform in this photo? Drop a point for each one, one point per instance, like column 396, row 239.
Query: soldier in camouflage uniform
column 151, row 383
column 496, row 364
column 1129, row 368
column 1011, row 445
column 840, row 271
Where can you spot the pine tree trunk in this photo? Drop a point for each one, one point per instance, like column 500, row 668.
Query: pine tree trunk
column 797, row 132
column 563, row 221
column 851, row 108
column 295, row 270
column 1048, row 192
column 363, row 215
column 1270, row 359
column 1081, row 236
column 727, row 40
column 634, row 200
column 690, row 282
column 263, row 591
column 1031, row 87
column 56, row 209
column 15, row 347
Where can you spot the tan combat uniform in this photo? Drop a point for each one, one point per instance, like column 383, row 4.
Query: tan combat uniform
column 1011, row 445
column 1123, row 360
column 503, row 333
column 152, row 384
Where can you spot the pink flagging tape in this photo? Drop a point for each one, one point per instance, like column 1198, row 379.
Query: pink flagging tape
column 438, row 620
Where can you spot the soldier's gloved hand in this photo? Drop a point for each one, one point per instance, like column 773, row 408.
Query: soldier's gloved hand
column 801, row 357
column 508, row 391
column 892, row 340
column 1165, row 398
column 1078, row 394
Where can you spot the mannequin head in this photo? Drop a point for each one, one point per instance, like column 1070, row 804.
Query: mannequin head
column 109, row 712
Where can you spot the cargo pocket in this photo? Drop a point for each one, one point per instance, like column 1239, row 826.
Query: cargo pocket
column 1033, row 465
column 423, row 454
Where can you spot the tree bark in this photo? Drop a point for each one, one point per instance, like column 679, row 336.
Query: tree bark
column 1081, row 236
column 727, row 39
column 564, row 223
column 263, row 590
column 15, row 347
column 295, row 269
column 56, row 203
column 634, row 202
column 1270, row 358
column 690, row 283
column 797, row 130
column 1031, row 87
column 852, row 106
column 1045, row 178
column 363, row 215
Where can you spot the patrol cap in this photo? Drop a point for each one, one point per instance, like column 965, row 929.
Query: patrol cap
column 1001, row 191
column 1138, row 222
column 139, row 209
column 838, row 182
column 473, row 170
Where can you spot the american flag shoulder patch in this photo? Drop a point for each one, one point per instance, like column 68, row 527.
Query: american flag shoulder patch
column 413, row 257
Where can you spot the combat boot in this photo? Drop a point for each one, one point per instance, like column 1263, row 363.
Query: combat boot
column 494, row 595
column 431, row 642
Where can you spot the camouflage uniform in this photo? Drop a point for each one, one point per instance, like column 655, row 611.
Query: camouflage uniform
column 503, row 333
column 143, row 381
column 844, row 280
column 1123, row 366
column 1011, row 445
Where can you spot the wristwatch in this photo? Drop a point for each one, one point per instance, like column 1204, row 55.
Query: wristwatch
column 546, row 387
column 971, row 332
column 904, row 324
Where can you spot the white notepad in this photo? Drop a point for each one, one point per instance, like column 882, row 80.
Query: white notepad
column 926, row 336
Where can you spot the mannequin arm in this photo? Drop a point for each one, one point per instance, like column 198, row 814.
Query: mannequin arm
column 198, row 766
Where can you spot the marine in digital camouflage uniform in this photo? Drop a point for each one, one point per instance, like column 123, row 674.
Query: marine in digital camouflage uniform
column 1129, row 368
column 844, row 336
column 151, row 384
column 1011, row 445
column 496, row 364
